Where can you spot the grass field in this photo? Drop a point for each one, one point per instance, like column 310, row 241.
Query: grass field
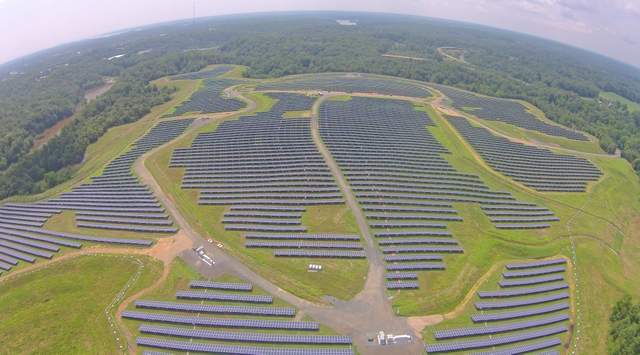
column 61, row 309
column 340, row 278
column 65, row 222
column 604, row 224
column 463, row 318
column 611, row 96
column 116, row 141
column 537, row 137
column 178, row 279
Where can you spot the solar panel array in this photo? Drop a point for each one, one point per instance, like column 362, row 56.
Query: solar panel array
column 537, row 168
column 349, row 83
column 224, row 315
column 20, row 243
column 508, row 111
column 401, row 179
column 205, row 74
column 116, row 200
column 210, row 98
column 267, row 169
column 530, row 317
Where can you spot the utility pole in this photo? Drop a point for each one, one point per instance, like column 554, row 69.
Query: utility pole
column 193, row 18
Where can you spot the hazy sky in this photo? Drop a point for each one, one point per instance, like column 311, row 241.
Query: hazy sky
column 610, row 27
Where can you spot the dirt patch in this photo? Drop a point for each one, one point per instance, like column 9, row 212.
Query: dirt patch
column 419, row 323
column 51, row 132
column 94, row 93
column 403, row 57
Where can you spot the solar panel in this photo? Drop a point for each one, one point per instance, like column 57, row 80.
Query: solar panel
column 491, row 317
column 198, row 295
column 526, row 348
column 223, row 309
column 228, row 286
column 495, row 329
column 247, row 337
column 221, row 322
column 495, row 341
column 523, row 291
column 535, row 264
column 236, row 349
column 533, row 272
column 521, row 302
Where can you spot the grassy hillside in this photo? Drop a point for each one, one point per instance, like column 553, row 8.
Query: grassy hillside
column 116, row 141
column 61, row 309
column 600, row 228
column 603, row 224
column 612, row 96
column 178, row 280
column 340, row 278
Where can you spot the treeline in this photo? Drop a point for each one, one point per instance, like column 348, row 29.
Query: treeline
column 567, row 93
column 624, row 333
column 562, row 81
column 127, row 101
column 35, row 102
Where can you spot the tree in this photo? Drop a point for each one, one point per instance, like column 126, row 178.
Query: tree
column 624, row 334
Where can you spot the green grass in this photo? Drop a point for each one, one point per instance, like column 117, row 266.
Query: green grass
column 340, row 98
column 297, row 114
column 264, row 102
column 330, row 219
column 590, row 146
column 605, row 222
column 115, row 142
column 65, row 222
column 463, row 318
column 342, row 279
column 179, row 278
column 612, row 96
column 60, row 309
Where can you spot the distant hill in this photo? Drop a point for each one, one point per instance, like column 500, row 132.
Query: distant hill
column 42, row 89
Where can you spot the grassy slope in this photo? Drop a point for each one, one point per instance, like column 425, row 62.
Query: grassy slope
column 116, row 141
column 533, row 136
column 340, row 278
column 463, row 319
column 611, row 96
column 590, row 146
column 35, row 305
column 178, row 279
column 65, row 222
column 607, row 228
column 607, row 235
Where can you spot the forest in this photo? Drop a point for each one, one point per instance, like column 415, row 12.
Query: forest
column 39, row 90
column 625, row 328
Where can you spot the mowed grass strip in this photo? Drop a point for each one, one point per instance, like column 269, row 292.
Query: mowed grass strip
column 604, row 223
column 115, row 142
column 61, row 308
column 66, row 222
column 178, row 279
column 342, row 279
column 462, row 318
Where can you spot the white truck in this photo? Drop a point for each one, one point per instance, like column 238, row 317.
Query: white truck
column 202, row 254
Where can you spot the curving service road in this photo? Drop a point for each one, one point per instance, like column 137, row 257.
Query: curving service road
column 361, row 318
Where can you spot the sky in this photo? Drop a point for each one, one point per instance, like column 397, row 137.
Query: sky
column 609, row 27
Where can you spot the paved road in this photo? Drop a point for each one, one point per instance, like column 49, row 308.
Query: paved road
column 361, row 317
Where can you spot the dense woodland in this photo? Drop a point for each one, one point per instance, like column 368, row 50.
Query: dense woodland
column 625, row 328
column 39, row 90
